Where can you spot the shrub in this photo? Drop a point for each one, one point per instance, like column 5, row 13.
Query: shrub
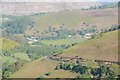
column 48, row 73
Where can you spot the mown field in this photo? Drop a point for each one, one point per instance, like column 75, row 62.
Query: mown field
column 102, row 48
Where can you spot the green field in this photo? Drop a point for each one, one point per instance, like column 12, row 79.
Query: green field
column 8, row 44
column 22, row 56
column 68, row 41
column 102, row 48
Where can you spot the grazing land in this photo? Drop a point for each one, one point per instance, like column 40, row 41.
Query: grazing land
column 97, row 48
column 39, row 67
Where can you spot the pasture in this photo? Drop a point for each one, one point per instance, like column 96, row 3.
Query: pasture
column 68, row 41
column 101, row 48
column 37, row 69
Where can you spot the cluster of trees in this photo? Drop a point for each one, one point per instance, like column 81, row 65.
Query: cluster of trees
column 112, row 28
column 63, row 33
column 8, row 70
column 38, row 14
column 90, row 29
column 102, row 71
column 17, row 25
column 104, row 6
column 34, row 52
column 14, row 38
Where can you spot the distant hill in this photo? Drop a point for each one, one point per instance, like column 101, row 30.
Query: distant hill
column 74, row 19
column 23, row 8
column 37, row 23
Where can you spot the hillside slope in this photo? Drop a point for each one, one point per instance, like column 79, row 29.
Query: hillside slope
column 74, row 20
column 39, row 67
column 103, row 48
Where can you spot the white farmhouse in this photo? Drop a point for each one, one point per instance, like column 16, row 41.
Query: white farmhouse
column 88, row 35
column 30, row 42
column 69, row 36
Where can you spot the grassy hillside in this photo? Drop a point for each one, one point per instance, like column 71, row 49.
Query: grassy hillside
column 74, row 19
column 102, row 48
column 69, row 18
column 39, row 67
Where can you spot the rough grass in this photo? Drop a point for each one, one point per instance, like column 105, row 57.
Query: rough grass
column 103, row 48
column 73, row 19
column 102, row 18
column 69, row 18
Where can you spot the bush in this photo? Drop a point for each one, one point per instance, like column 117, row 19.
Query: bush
column 58, row 67
column 48, row 73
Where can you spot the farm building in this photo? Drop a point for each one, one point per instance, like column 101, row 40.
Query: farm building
column 88, row 35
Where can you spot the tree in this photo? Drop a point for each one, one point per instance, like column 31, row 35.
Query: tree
column 58, row 67
column 63, row 46
column 110, row 73
column 6, row 74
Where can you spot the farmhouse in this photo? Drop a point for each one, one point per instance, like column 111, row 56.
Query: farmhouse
column 31, row 40
column 88, row 35
column 69, row 36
